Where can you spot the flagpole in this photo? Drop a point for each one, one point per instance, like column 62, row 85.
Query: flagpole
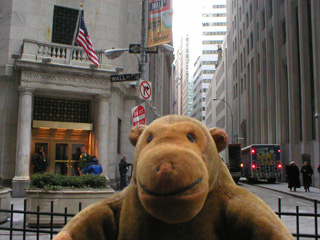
column 75, row 34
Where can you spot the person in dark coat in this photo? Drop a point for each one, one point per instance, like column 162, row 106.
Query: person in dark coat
column 293, row 176
column 39, row 161
column 307, row 172
column 123, row 168
column 94, row 167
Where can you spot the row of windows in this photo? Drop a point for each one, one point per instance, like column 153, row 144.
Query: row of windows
column 208, row 42
column 219, row 6
column 207, row 24
column 209, row 52
column 209, row 63
column 214, row 15
column 214, row 33
column 208, row 71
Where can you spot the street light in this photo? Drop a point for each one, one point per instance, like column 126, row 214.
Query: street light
column 220, row 99
column 115, row 53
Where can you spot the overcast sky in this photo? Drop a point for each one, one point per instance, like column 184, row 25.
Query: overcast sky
column 186, row 20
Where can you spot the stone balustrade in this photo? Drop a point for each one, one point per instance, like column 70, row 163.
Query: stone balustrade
column 58, row 53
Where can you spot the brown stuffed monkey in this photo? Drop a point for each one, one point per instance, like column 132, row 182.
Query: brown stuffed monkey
column 180, row 189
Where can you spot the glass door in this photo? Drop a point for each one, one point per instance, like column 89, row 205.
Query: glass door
column 74, row 163
column 67, row 157
column 61, row 158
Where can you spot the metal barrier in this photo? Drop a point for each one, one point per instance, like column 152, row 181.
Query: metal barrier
column 298, row 214
column 52, row 231
column 37, row 228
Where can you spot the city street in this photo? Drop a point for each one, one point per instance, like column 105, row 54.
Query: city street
column 270, row 193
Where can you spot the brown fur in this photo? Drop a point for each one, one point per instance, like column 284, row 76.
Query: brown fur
column 180, row 190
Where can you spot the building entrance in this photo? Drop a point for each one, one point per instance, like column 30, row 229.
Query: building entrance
column 62, row 149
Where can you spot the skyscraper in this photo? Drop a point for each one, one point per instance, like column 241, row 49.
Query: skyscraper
column 214, row 28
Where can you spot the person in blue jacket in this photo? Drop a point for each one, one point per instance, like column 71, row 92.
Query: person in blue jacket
column 94, row 167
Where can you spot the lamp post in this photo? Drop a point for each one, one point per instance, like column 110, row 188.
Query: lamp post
column 220, row 99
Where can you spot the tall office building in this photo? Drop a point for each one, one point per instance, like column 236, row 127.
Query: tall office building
column 214, row 25
column 181, row 78
column 274, row 62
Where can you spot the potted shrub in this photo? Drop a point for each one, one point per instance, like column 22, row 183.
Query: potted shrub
column 64, row 192
column 5, row 198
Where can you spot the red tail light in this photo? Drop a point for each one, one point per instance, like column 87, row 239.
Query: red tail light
column 279, row 165
column 241, row 165
column 253, row 151
column 279, row 150
column 253, row 166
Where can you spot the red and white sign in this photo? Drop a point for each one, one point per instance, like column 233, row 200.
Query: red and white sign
column 139, row 115
column 145, row 89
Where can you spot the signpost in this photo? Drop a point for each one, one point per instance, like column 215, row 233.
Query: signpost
column 139, row 115
column 125, row 77
column 135, row 48
column 145, row 90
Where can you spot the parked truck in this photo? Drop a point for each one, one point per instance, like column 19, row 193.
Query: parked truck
column 262, row 162
column 234, row 161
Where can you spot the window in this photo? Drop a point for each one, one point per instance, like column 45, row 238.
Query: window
column 61, row 110
column 119, row 136
column 263, row 15
column 241, row 82
column 250, row 9
column 284, row 30
column 257, row 31
column 251, row 40
column 64, row 24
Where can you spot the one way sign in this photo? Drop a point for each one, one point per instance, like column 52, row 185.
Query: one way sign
column 135, row 48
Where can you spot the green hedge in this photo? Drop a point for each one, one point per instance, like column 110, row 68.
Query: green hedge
column 48, row 181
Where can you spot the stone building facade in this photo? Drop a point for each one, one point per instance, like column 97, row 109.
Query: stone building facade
column 47, row 100
column 274, row 62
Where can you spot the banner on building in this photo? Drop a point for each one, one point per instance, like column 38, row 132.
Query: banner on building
column 159, row 22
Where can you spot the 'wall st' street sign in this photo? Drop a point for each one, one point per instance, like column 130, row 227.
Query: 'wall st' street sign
column 125, row 77
column 135, row 48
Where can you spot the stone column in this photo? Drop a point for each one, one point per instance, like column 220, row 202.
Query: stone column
column 21, row 179
column 101, row 130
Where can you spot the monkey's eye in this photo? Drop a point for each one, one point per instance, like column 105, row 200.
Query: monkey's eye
column 150, row 137
column 191, row 137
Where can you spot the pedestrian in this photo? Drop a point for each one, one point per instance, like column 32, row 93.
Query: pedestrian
column 307, row 172
column 39, row 161
column 85, row 158
column 94, row 167
column 123, row 168
column 293, row 176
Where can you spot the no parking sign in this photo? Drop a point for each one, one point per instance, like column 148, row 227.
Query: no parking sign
column 139, row 115
column 145, row 89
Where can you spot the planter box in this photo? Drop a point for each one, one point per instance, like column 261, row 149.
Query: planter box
column 5, row 198
column 69, row 199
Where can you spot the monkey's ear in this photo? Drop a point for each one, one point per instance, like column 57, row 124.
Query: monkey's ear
column 220, row 137
column 135, row 133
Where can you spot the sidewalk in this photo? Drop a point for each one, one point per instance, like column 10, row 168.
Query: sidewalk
column 314, row 193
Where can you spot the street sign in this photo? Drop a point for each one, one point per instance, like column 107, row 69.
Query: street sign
column 145, row 89
column 135, row 48
column 125, row 77
column 139, row 115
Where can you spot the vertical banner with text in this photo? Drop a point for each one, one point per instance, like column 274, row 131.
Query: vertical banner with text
column 159, row 22
column 138, row 114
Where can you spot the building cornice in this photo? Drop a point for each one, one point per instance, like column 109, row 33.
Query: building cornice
column 31, row 65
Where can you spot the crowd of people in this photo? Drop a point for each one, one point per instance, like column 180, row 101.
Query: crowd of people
column 293, row 175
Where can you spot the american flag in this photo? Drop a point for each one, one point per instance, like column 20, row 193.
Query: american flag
column 84, row 40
